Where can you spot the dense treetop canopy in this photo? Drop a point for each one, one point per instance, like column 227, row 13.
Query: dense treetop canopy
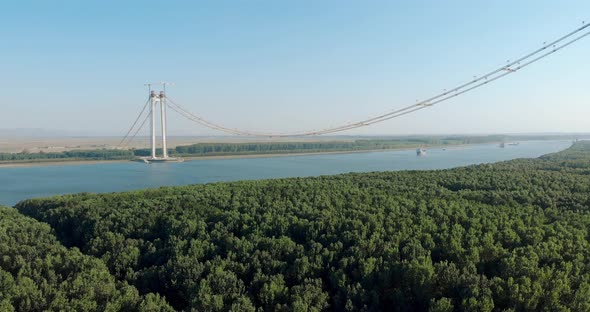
column 510, row 236
column 37, row 273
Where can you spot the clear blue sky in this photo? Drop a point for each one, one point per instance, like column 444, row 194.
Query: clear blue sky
column 291, row 65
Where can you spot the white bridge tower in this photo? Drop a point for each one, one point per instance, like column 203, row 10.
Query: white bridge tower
column 155, row 101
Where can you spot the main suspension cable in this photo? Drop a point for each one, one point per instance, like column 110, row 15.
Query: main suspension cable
column 507, row 72
column 134, row 123
column 138, row 129
column 475, row 83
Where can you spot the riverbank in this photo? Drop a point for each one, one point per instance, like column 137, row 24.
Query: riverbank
column 69, row 162
column 484, row 203
column 225, row 150
column 193, row 158
column 44, row 181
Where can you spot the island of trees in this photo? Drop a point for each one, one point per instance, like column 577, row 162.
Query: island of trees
column 510, row 236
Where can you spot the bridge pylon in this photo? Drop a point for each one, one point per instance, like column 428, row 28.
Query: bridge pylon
column 158, row 99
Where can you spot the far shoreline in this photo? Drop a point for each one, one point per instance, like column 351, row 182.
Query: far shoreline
column 236, row 156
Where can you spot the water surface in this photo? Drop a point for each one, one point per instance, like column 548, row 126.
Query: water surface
column 27, row 182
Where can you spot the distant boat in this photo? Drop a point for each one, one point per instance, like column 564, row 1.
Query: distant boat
column 420, row 152
column 502, row 145
column 513, row 143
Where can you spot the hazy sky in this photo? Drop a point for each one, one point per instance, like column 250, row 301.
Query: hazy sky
column 291, row 65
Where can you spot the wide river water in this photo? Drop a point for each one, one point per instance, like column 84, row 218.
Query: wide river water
column 38, row 181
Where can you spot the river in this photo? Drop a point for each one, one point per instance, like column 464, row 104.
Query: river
column 20, row 183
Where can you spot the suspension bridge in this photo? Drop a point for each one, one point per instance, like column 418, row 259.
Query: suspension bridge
column 162, row 101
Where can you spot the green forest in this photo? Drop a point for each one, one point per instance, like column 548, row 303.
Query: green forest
column 203, row 149
column 509, row 236
column 220, row 149
column 104, row 154
column 37, row 273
